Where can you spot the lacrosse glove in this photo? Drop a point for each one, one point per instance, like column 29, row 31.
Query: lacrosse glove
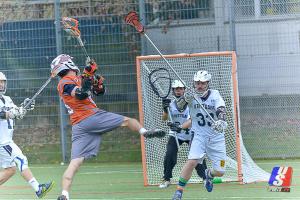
column 30, row 106
column 17, row 113
column 91, row 68
column 219, row 126
column 98, row 87
column 166, row 103
column 188, row 96
column 175, row 127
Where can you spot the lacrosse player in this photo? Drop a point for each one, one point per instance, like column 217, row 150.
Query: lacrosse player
column 209, row 136
column 11, row 156
column 88, row 121
column 184, row 136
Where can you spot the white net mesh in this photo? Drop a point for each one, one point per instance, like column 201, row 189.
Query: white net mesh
column 220, row 65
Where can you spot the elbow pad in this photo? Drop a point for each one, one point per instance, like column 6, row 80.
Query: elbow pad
column 81, row 95
column 221, row 113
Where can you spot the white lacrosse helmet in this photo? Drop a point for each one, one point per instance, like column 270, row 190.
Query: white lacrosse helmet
column 63, row 62
column 177, row 83
column 3, row 83
column 202, row 76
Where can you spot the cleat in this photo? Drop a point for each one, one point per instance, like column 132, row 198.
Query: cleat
column 208, row 182
column 177, row 195
column 154, row 133
column 62, row 197
column 44, row 189
column 164, row 184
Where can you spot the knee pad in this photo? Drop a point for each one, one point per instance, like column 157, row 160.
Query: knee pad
column 22, row 162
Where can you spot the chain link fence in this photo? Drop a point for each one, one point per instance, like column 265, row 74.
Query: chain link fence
column 264, row 33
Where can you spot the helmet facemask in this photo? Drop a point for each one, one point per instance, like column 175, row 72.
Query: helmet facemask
column 3, row 84
column 203, row 91
column 177, row 84
column 201, row 78
column 63, row 62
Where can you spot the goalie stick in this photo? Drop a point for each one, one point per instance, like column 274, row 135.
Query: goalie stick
column 160, row 82
column 132, row 19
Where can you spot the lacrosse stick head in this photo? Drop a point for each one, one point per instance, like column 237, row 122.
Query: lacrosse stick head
column 160, row 82
column 132, row 18
column 70, row 25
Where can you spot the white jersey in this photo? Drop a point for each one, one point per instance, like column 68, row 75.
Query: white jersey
column 6, row 125
column 180, row 117
column 201, row 122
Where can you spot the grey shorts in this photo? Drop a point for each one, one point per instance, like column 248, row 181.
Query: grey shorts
column 86, row 135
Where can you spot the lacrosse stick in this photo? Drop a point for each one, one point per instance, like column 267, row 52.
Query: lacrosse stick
column 160, row 82
column 38, row 92
column 132, row 19
column 70, row 25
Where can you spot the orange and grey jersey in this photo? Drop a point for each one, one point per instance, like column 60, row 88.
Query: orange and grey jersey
column 78, row 109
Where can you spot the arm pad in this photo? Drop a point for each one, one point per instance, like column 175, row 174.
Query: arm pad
column 85, row 90
column 81, row 95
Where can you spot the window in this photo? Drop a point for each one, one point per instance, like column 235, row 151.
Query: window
column 244, row 8
column 279, row 7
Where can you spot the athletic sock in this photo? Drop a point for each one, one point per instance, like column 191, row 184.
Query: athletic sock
column 65, row 193
column 181, row 183
column 34, row 184
column 142, row 131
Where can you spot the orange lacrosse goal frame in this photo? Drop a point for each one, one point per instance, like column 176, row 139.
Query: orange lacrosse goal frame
column 223, row 67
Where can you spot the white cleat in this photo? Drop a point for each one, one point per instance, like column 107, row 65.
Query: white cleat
column 164, row 184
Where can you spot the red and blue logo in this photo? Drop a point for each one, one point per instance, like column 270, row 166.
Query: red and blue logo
column 281, row 177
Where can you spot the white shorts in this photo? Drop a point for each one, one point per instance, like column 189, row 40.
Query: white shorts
column 8, row 153
column 213, row 146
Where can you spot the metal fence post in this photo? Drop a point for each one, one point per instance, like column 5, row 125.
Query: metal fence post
column 232, row 25
column 144, row 22
column 62, row 109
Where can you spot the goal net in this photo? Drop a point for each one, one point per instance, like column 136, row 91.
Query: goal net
column 222, row 65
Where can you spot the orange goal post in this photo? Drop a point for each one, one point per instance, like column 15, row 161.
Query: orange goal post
column 223, row 66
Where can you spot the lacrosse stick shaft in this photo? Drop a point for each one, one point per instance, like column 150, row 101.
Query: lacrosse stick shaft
column 83, row 47
column 162, row 56
column 175, row 134
column 38, row 92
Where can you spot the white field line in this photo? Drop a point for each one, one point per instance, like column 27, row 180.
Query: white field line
column 273, row 163
column 198, row 198
column 85, row 166
column 112, row 172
